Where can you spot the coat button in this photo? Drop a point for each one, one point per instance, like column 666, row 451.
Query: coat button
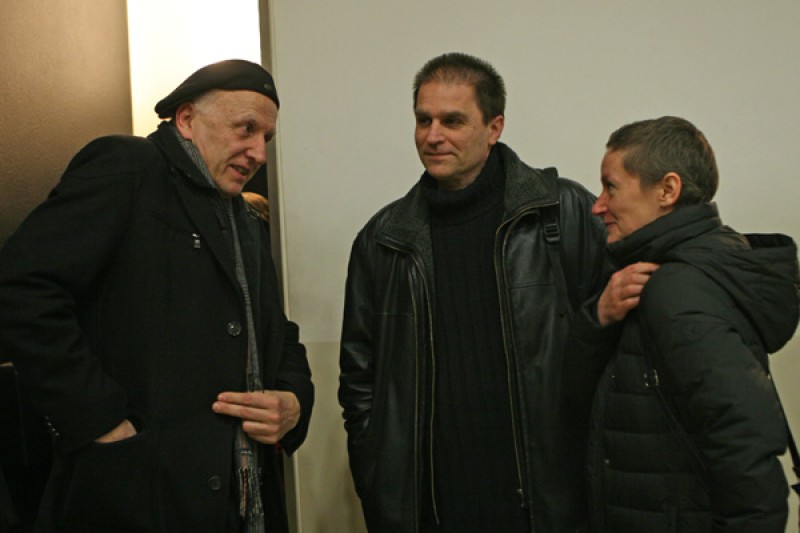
column 234, row 328
column 51, row 427
column 214, row 482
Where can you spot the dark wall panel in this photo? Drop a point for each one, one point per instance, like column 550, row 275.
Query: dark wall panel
column 65, row 80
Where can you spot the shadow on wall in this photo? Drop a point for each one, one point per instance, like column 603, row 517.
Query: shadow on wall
column 328, row 501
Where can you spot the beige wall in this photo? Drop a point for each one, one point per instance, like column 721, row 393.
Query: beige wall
column 64, row 81
column 574, row 71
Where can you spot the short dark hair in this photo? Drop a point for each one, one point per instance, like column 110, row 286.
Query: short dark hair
column 460, row 68
column 656, row 147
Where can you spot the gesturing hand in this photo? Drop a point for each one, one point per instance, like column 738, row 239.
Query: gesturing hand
column 266, row 415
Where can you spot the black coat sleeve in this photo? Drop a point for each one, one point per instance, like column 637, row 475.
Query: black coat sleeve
column 356, row 380
column 294, row 375
column 724, row 398
column 48, row 268
column 587, row 269
column 291, row 371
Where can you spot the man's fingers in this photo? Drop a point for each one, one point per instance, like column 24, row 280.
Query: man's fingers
column 245, row 412
column 124, row 430
column 262, row 426
column 260, row 399
column 261, row 431
column 266, row 415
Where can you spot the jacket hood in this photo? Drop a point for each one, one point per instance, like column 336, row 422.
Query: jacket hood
column 759, row 271
column 762, row 279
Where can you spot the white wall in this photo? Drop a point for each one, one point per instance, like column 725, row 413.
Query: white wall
column 168, row 40
column 574, row 72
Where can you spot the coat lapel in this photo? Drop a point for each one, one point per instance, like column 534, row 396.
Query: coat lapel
column 211, row 224
column 196, row 195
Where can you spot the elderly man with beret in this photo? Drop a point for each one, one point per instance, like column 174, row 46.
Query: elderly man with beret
column 140, row 307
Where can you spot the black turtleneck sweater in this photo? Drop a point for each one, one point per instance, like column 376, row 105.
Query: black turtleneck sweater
column 475, row 468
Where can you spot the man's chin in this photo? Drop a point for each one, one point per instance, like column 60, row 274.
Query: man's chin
column 233, row 187
column 231, row 190
column 436, row 167
column 440, row 173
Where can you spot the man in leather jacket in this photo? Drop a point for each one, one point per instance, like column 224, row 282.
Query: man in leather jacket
column 459, row 300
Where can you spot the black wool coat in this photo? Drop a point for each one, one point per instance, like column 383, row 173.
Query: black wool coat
column 118, row 299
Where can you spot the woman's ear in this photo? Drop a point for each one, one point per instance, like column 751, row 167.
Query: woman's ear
column 671, row 185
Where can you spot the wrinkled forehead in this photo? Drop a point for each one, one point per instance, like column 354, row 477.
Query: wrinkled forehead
column 237, row 102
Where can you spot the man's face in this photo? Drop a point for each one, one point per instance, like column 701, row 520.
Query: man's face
column 624, row 205
column 231, row 130
column 452, row 140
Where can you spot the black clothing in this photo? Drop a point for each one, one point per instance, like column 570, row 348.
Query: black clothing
column 643, row 476
column 118, row 299
column 471, row 375
column 389, row 349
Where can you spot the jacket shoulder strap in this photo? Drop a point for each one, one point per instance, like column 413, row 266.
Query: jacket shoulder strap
column 655, row 381
column 551, row 230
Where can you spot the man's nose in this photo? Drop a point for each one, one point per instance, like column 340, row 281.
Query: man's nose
column 258, row 152
column 434, row 133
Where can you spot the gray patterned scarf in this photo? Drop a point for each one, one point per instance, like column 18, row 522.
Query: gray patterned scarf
column 248, row 475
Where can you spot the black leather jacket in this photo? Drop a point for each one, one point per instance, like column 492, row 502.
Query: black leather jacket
column 387, row 348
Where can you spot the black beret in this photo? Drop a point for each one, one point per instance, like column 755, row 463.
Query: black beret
column 230, row 75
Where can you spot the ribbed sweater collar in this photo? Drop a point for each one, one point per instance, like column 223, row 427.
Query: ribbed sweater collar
column 446, row 205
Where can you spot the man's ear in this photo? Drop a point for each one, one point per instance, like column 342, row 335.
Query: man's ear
column 183, row 119
column 496, row 126
column 671, row 185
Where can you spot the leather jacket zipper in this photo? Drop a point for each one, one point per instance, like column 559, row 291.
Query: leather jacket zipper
column 430, row 459
column 417, row 263
column 500, row 261
column 517, row 436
